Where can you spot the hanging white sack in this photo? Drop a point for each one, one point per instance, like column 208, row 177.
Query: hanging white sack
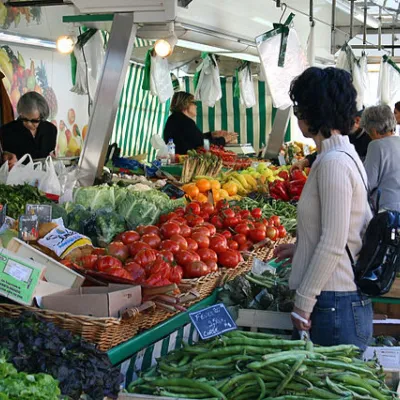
column 160, row 79
column 360, row 80
column 282, row 60
column 208, row 89
column 29, row 173
column 389, row 82
column 246, row 84
column 345, row 59
column 50, row 182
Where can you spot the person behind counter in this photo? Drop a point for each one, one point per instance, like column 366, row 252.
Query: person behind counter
column 182, row 129
column 30, row 133
column 10, row 158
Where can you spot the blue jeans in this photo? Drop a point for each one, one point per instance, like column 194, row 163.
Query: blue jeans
column 342, row 318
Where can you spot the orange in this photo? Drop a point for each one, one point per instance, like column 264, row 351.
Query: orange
column 231, row 188
column 216, row 196
column 223, row 194
column 204, row 185
column 215, row 185
column 192, row 191
column 202, row 198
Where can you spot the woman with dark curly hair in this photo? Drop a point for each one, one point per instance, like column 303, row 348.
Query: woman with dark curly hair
column 333, row 212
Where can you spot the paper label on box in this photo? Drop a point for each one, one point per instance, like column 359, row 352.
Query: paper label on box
column 18, row 280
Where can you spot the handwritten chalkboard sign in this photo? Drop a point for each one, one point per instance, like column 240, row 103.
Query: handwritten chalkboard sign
column 212, row 321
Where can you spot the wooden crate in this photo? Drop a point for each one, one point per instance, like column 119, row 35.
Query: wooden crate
column 259, row 319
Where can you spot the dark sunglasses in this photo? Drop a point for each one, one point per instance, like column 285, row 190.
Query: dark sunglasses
column 33, row 121
column 297, row 112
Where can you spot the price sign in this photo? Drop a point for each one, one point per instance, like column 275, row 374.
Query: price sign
column 3, row 212
column 306, row 150
column 212, row 321
column 43, row 212
column 281, row 159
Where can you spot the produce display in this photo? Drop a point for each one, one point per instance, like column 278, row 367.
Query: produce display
column 291, row 186
column 229, row 159
column 248, row 365
column 16, row 385
column 42, row 347
column 17, row 197
column 200, row 164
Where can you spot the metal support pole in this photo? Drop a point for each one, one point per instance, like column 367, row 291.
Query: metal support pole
column 380, row 29
column 333, row 27
column 365, row 22
column 393, row 39
column 351, row 18
column 312, row 11
column 107, row 97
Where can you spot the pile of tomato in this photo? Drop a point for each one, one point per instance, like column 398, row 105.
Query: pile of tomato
column 188, row 243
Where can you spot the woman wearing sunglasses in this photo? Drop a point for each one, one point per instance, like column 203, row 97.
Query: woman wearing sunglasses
column 30, row 133
column 333, row 212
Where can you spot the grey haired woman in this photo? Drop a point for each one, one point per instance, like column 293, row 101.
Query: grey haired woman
column 30, row 133
column 382, row 161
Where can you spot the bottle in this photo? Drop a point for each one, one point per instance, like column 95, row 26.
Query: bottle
column 171, row 151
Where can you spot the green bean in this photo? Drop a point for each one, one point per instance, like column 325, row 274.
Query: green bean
column 289, row 377
column 336, row 389
column 224, row 361
column 359, row 390
column 233, row 350
column 322, row 393
column 168, row 393
column 266, row 343
column 338, row 365
column 303, row 381
column 359, row 382
column 294, row 397
column 185, row 360
column 342, row 348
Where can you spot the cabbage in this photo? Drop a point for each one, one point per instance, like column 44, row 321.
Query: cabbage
column 95, row 197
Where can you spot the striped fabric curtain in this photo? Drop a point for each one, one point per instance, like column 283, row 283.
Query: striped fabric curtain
column 140, row 115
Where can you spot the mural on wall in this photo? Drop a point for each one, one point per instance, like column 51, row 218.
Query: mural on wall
column 12, row 16
column 28, row 70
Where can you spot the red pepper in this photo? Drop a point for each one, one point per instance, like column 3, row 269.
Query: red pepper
column 298, row 175
column 296, row 198
column 279, row 189
column 296, row 187
column 284, row 175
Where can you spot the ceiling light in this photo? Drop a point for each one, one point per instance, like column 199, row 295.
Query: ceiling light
column 358, row 13
column 65, row 44
column 165, row 47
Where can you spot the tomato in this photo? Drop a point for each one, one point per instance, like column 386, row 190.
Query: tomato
column 138, row 274
column 145, row 257
column 260, row 225
column 231, row 222
column 171, row 215
column 163, row 219
column 275, row 220
column 180, row 211
column 243, row 228
column 176, row 274
column 227, row 234
column 210, row 227
column 181, row 241
column 244, row 214
column 89, row 261
column 205, row 216
column 130, row 237
column 272, row 233
column 118, row 250
column 229, row 258
column 218, row 243
column 256, row 213
column 153, row 240
column 159, row 267
column 147, row 229
column 186, row 231
column 202, row 240
column 257, row 235
column 212, row 265
column 170, row 229
column 194, row 220
column 240, row 238
column 281, row 231
column 233, row 245
column 196, row 269
column 193, row 208
column 207, row 208
column 207, row 255
column 245, row 246
column 185, row 257
column 135, row 247
column 192, row 244
column 201, row 229
column 99, row 252
column 178, row 220
column 170, row 245
column 118, row 272
column 107, row 262
column 228, row 213
column 217, row 222
column 166, row 255
column 222, row 205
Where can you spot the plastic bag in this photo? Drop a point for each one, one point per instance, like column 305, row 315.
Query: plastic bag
column 208, row 89
column 247, row 92
column 160, row 79
column 4, row 171
column 50, row 183
column 345, row 59
column 360, row 80
column 278, row 77
column 21, row 174
column 389, row 83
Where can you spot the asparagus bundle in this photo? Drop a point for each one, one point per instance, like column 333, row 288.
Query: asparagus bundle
column 199, row 165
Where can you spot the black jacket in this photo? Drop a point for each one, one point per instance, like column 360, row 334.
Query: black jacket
column 185, row 134
column 17, row 139
column 359, row 139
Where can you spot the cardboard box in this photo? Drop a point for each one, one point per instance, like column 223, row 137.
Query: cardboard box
column 55, row 272
column 387, row 327
column 264, row 319
column 389, row 357
column 101, row 301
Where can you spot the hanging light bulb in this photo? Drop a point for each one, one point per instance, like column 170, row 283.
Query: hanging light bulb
column 65, row 44
column 165, row 47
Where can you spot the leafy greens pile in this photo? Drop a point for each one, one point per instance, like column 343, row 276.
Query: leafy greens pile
column 16, row 385
column 16, row 198
column 36, row 346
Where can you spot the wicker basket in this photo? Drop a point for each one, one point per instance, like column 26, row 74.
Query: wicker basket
column 105, row 332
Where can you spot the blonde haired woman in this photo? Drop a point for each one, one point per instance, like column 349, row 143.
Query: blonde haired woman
column 182, row 128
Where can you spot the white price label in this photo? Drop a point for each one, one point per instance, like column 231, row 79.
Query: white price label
column 18, row 271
